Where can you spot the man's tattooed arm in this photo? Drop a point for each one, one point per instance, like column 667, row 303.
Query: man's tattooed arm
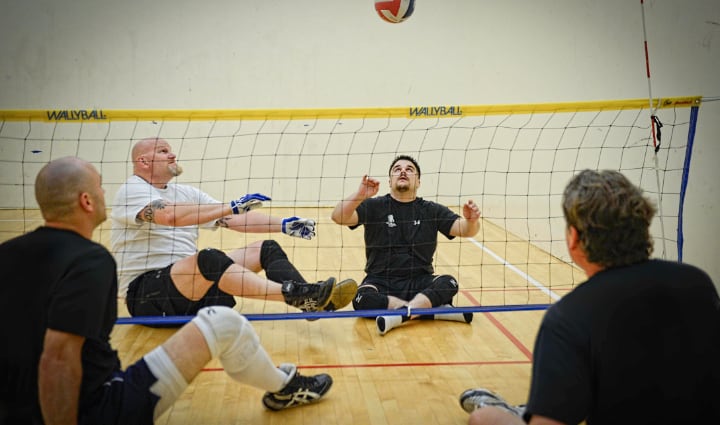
column 223, row 222
column 147, row 214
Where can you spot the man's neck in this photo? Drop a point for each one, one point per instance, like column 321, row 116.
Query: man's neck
column 403, row 196
column 156, row 184
column 85, row 231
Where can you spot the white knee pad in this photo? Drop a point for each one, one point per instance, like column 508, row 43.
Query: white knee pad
column 231, row 338
column 226, row 330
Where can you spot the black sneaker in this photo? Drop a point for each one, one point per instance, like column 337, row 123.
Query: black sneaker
column 475, row 398
column 308, row 296
column 299, row 389
column 342, row 294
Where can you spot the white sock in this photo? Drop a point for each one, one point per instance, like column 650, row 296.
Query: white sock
column 455, row 317
column 386, row 323
column 170, row 382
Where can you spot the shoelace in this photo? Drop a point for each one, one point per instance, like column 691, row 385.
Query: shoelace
column 304, row 384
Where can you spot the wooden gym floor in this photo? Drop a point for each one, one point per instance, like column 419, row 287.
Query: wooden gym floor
column 412, row 375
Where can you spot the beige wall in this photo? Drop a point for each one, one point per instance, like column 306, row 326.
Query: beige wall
column 288, row 54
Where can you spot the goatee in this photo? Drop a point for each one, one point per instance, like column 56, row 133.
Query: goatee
column 175, row 169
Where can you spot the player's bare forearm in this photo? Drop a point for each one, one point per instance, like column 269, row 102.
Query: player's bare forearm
column 251, row 222
column 344, row 212
column 162, row 212
column 59, row 377
column 469, row 225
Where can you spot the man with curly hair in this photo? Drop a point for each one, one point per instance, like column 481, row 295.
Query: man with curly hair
column 637, row 343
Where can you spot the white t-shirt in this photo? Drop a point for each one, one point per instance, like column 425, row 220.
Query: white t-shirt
column 139, row 246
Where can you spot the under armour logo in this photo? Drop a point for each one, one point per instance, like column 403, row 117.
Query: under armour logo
column 416, row 223
column 390, row 221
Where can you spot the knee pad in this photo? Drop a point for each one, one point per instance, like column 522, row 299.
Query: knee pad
column 368, row 298
column 227, row 331
column 442, row 290
column 212, row 263
column 271, row 251
column 276, row 264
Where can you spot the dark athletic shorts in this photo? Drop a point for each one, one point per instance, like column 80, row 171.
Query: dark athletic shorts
column 403, row 288
column 124, row 400
column 153, row 293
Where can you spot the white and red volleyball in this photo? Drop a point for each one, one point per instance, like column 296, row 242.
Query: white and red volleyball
column 394, row 11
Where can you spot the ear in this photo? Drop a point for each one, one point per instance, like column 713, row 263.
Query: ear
column 86, row 202
column 573, row 238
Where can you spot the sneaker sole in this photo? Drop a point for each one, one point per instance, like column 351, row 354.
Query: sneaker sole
column 342, row 294
column 380, row 322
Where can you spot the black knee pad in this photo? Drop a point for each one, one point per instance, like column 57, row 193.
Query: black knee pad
column 368, row 298
column 276, row 264
column 212, row 263
column 271, row 251
column 442, row 290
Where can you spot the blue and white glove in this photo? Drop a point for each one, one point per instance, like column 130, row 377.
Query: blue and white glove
column 299, row 227
column 248, row 202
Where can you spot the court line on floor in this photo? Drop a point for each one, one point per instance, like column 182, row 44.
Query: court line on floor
column 544, row 289
column 385, row 365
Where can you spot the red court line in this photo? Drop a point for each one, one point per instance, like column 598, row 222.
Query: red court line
column 509, row 335
column 419, row 364
column 474, row 301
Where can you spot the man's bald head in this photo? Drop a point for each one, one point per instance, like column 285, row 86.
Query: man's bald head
column 154, row 161
column 144, row 147
column 59, row 184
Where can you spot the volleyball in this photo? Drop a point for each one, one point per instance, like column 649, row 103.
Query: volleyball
column 394, row 11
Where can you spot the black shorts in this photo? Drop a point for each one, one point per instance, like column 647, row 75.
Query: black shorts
column 124, row 400
column 403, row 288
column 153, row 293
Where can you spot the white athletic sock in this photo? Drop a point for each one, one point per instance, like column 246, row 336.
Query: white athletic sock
column 456, row 317
column 258, row 371
column 386, row 323
column 170, row 382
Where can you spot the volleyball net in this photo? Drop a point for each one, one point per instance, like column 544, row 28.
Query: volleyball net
column 512, row 160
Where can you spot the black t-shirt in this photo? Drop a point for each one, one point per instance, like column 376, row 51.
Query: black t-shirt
column 60, row 280
column 401, row 237
column 631, row 345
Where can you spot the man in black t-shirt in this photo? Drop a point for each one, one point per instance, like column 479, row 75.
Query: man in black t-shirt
column 58, row 306
column 637, row 343
column 401, row 232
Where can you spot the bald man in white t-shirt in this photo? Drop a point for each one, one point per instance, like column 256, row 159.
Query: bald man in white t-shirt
column 155, row 229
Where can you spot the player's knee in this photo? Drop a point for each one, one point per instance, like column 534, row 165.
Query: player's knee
column 225, row 330
column 271, row 251
column 368, row 298
column 212, row 263
column 442, row 290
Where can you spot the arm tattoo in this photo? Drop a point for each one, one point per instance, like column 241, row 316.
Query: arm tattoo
column 223, row 222
column 147, row 214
